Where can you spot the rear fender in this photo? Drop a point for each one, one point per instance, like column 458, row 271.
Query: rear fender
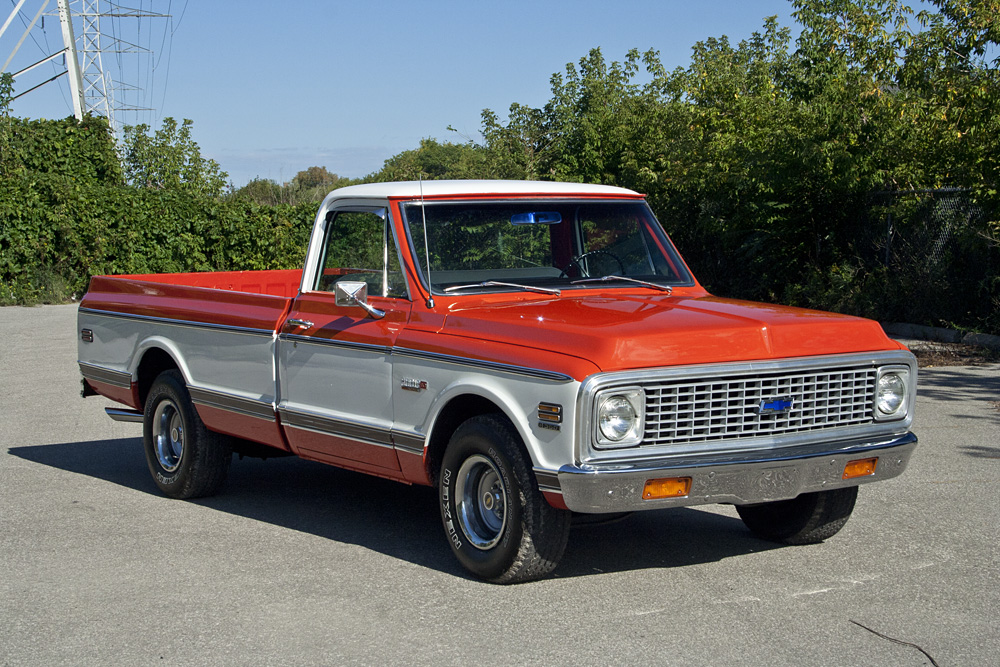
column 164, row 345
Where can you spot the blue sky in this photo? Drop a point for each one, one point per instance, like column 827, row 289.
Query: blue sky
column 276, row 87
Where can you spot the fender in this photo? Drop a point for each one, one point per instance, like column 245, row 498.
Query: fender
column 166, row 345
column 544, row 447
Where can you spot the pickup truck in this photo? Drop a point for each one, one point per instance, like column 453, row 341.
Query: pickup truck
column 531, row 349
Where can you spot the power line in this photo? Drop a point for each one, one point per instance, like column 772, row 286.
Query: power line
column 12, row 2
column 109, row 85
column 48, row 49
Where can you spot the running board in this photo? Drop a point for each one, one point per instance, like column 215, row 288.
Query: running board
column 123, row 415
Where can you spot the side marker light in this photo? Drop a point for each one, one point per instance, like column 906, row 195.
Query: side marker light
column 667, row 487
column 550, row 412
column 860, row 468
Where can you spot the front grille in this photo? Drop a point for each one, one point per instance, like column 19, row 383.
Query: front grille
column 727, row 408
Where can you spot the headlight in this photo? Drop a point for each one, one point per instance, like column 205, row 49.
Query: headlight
column 619, row 417
column 891, row 391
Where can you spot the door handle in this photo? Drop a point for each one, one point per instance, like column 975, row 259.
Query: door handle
column 301, row 324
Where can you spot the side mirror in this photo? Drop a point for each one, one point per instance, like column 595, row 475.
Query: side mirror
column 350, row 293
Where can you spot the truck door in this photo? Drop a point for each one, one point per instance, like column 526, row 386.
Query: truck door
column 334, row 361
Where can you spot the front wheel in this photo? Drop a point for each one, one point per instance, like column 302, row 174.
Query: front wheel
column 498, row 524
column 185, row 458
column 807, row 519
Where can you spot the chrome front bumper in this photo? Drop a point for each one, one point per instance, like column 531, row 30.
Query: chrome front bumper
column 739, row 478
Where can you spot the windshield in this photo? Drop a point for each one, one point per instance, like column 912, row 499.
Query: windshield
column 540, row 243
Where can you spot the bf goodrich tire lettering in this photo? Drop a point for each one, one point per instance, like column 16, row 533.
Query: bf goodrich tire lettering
column 497, row 522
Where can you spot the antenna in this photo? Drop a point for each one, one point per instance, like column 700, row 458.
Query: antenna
column 427, row 251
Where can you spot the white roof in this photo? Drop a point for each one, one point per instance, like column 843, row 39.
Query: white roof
column 414, row 189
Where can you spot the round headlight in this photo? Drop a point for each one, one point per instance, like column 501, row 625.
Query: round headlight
column 617, row 418
column 891, row 393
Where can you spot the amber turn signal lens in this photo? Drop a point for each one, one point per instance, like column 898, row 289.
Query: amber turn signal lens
column 860, row 468
column 550, row 412
column 668, row 487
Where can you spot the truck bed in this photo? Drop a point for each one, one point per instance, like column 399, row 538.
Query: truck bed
column 253, row 299
column 220, row 327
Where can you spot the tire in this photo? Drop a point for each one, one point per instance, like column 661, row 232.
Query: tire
column 807, row 519
column 497, row 522
column 186, row 459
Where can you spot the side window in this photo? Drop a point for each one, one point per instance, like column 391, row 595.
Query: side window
column 360, row 247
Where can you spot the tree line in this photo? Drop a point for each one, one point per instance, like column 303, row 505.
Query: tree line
column 785, row 169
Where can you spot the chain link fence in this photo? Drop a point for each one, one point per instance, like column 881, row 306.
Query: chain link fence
column 932, row 249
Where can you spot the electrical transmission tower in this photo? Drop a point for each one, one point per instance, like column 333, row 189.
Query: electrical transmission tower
column 92, row 87
column 98, row 96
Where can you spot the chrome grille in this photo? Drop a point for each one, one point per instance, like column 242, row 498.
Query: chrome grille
column 726, row 408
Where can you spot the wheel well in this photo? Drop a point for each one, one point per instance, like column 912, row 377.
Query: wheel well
column 458, row 410
column 154, row 361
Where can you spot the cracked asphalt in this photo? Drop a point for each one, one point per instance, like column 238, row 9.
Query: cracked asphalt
column 299, row 563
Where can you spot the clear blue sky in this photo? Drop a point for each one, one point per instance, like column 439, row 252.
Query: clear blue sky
column 275, row 87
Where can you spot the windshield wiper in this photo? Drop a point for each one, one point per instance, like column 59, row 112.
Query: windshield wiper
column 497, row 283
column 604, row 279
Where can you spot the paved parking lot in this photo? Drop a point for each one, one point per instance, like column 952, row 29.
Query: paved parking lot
column 299, row 563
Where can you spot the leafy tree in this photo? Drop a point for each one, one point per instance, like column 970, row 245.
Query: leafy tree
column 314, row 177
column 6, row 88
column 515, row 149
column 309, row 186
column 434, row 160
column 262, row 191
column 312, row 185
column 170, row 159
column 760, row 158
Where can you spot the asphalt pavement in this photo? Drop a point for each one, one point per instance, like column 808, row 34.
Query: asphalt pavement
column 298, row 563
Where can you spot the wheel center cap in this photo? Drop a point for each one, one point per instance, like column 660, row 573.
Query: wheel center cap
column 488, row 501
column 175, row 434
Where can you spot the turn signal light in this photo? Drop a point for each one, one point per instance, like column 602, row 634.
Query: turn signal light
column 667, row 487
column 550, row 412
column 860, row 468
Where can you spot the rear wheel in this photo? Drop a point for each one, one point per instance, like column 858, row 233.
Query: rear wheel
column 807, row 519
column 498, row 524
column 185, row 458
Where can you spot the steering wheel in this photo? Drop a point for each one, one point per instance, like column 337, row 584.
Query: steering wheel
column 576, row 261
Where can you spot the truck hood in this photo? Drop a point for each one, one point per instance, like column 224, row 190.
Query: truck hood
column 637, row 331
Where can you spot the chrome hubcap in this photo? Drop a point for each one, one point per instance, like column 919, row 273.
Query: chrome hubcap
column 481, row 502
column 168, row 436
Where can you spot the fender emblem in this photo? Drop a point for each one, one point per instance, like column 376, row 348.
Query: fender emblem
column 412, row 384
column 774, row 406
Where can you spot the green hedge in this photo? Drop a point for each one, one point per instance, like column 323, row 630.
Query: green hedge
column 66, row 214
column 82, row 151
column 761, row 201
column 55, row 233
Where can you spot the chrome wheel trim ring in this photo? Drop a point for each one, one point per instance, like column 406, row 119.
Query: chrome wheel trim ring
column 168, row 436
column 481, row 500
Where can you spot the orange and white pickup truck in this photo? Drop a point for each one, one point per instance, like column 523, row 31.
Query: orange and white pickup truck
column 532, row 349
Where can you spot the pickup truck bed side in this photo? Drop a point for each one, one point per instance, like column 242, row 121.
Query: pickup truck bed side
column 197, row 327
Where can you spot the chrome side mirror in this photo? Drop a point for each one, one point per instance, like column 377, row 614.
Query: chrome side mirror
column 350, row 293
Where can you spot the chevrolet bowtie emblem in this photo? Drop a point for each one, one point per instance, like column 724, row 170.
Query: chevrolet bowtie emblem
column 774, row 406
